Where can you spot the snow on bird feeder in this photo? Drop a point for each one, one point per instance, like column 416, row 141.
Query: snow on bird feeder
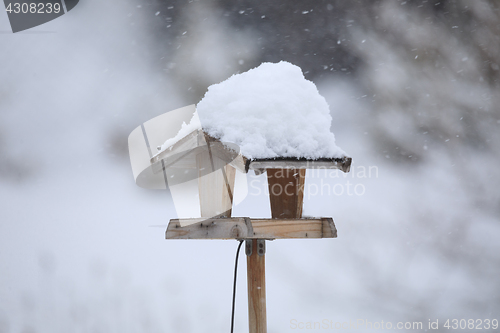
column 281, row 125
column 269, row 119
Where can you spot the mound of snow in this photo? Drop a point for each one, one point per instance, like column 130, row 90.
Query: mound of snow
column 186, row 129
column 270, row 111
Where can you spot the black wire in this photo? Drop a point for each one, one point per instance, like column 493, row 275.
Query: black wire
column 234, row 283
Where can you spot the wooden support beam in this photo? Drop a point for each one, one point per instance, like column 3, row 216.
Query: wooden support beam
column 286, row 192
column 256, row 281
column 246, row 228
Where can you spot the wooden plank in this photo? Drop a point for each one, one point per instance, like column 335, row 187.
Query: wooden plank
column 216, row 228
column 286, row 192
column 256, row 281
column 343, row 164
column 230, row 156
column 183, row 153
column 246, row 228
column 215, row 185
column 175, row 154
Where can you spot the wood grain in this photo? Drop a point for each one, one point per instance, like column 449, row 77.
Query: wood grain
column 247, row 228
column 215, row 185
column 256, row 281
column 343, row 163
column 178, row 155
column 286, row 192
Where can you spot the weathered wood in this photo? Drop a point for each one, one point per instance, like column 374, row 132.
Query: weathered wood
column 294, row 228
column 216, row 228
column 286, row 192
column 179, row 155
column 246, row 228
column 256, row 281
column 182, row 154
column 343, row 164
column 329, row 229
column 215, row 185
column 183, row 149
column 230, row 155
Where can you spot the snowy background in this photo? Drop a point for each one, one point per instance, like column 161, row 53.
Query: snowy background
column 413, row 89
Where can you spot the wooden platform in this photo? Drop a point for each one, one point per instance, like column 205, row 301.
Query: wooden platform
column 251, row 228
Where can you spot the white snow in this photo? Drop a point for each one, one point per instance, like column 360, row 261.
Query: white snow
column 270, row 111
column 186, row 129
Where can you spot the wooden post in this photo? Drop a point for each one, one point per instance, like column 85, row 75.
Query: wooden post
column 256, row 278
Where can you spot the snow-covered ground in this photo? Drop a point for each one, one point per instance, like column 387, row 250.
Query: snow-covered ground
column 82, row 247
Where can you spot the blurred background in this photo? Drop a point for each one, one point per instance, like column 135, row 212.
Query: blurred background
column 414, row 91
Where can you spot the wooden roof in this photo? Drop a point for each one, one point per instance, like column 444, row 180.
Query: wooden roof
column 183, row 153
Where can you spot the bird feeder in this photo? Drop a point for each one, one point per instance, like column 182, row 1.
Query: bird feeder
column 216, row 165
column 259, row 101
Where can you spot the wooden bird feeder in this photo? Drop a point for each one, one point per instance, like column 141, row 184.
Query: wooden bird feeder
column 217, row 165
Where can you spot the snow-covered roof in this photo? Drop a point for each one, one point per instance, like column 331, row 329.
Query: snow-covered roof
column 271, row 111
